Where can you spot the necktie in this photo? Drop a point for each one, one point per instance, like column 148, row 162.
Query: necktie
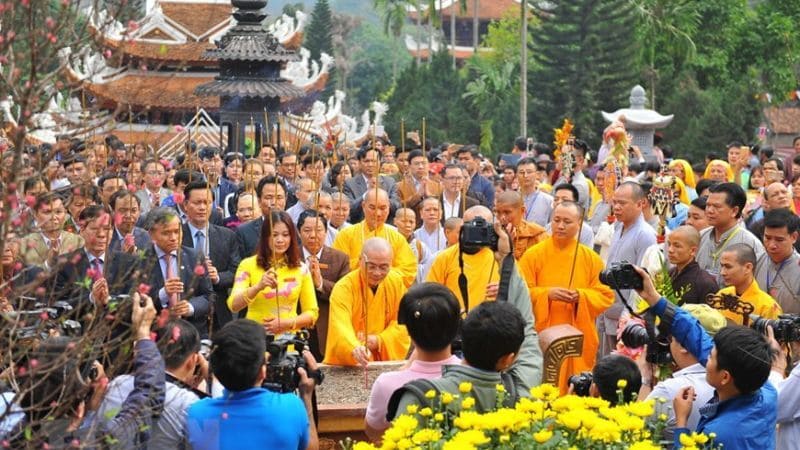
column 97, row 265
column 200, row 243
column 156, row 199
column 173, row 299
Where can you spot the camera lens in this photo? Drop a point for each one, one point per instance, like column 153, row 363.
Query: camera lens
column 634, row 335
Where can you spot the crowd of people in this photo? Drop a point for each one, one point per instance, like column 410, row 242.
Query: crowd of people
column 180, row 273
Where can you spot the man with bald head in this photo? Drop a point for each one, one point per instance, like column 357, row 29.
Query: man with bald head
column 481, row 270
column 510, row 210
column 376, row 210
column 363, row 311
column 570, row 291
column 405, row 220
column 737, row 267
column 686, row 274
column 631, row 239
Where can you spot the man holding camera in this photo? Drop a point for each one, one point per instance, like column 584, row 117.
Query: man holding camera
column 248, row 415
column 738, row 362
column 469, row 262
column 573, row 296
column 632, row 237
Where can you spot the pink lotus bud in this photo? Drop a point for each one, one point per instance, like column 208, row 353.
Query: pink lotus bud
column 144, row 289
column 199, row 270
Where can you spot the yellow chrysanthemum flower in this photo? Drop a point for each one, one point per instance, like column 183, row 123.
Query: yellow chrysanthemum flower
column 641, row 409
column 644, row 445
column 412, row 409
column 542, row 436
column 546, row 392
column 500, row 388
column 426, row 412
column 364, row 446
column 622, row 384
column 426, row 435
column 465, row 387
column 686, row 440
column 468, row 403
column 438, row 417
column 700, row 438
column 430, row 394
column 447, row 398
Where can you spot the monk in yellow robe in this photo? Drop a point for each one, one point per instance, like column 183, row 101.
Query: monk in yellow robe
column 350, row 240
column 510, row 209
column 363, row 311
column 565, row 294
column 480, row 267
column 737, row 266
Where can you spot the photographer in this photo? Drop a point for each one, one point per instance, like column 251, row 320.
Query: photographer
column 58, row 391
column 605, row 378
column 738, row 360
column 186, row 371
column 788, row 394
column 249, row 416
column 690, row 372
column 477, row 268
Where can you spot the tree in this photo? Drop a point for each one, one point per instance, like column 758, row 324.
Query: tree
column 318, row 38
column 290, row 9
column 586, row 57
column 393, row 14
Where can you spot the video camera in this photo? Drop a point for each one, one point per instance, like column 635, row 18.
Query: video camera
column 635, row 335
column 621, row 275
column 282, row 366
column 41, row 319
column 786, row 327
column 478, row 233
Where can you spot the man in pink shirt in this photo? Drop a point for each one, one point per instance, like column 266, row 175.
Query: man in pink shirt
column 431, row 313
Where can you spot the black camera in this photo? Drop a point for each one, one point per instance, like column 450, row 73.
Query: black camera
column 37, row 322
column 478, row 233
column 786, row 327
column 635, row 334
column 581, row 383
column 621, row 275
column 282, row 366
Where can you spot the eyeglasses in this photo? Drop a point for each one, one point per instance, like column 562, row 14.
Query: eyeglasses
column 154, row 173
column 454, row 178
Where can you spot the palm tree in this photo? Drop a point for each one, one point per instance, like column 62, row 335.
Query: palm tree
column 673, row 21
column 394, row 14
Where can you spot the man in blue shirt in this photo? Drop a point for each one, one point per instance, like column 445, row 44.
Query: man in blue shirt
column 743, row 411
column 249, row 416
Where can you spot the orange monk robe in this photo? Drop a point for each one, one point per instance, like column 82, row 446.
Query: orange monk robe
column 350, row 241
column 544, row 266
column 349, row 324
column 526, row 235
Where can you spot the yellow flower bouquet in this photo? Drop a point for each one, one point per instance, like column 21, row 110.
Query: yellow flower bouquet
column 546, row 420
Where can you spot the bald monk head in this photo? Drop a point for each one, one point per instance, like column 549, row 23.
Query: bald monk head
column 566, row 222
column 406, row 221
column 478, row 211
column 376, row 208
column 682, row 246
column 510, row 208
column 376, row 260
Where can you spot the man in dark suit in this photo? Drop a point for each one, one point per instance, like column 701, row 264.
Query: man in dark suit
column 271, row 194
column 358, row 185
column 454, row 200
column 184, row 288
column 79, row 279
column 125, row 206
column 327, row 265
column 217, row 245
column 212, row 166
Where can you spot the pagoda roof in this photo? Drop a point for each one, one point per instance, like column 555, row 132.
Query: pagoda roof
column 252, row 48
column 487, row 9
column 255, row 87
column 182, row 30
column 783, row 120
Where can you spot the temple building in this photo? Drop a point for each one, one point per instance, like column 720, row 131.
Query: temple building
column 146, row 78
column 465, row 46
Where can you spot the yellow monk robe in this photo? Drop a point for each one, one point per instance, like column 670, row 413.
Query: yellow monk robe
column 763, row 305
column 351, row 240
column 544, row 266
column 480, row 269
column 346, row 327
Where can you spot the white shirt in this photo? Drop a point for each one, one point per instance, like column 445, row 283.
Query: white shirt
column 436, row 241
column 451, row 209
column 695, row 376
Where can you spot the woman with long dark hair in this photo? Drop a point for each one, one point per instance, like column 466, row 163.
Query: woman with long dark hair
column 271, row 282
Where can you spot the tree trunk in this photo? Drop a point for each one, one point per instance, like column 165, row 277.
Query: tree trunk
column 419, row 33
column 523, row 72
column 453, row 32
column 475, row 26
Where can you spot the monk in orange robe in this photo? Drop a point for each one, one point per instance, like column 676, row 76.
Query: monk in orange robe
column 563, row 293
column 362, row 324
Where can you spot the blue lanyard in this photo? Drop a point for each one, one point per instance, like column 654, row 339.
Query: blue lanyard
column 769, row 284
